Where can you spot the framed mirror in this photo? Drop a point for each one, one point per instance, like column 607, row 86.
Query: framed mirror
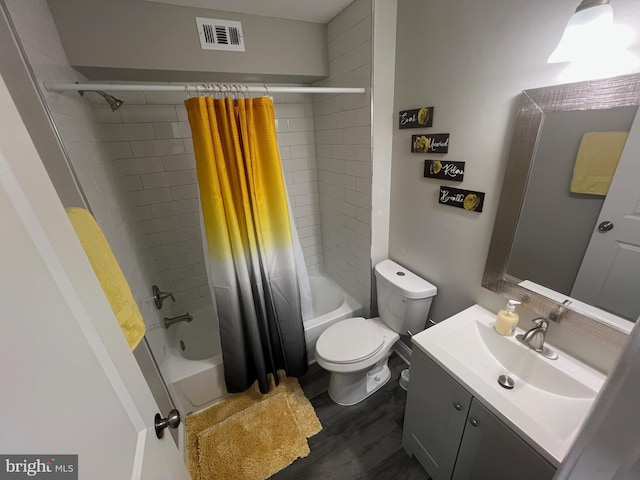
column 544, row 246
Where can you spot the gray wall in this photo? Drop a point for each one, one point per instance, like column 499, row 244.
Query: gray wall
column 470, row 63
column 555, row 225
column 145, row 41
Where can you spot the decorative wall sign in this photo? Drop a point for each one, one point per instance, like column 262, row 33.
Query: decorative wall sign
column 444, row 170
column 416, row 118
column 433, row 143
column 467, row 199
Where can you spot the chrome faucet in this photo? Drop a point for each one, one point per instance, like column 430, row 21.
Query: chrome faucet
column 534, row 338
column 180, row 318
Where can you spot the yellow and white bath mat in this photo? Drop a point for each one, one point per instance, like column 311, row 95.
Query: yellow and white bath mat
column 251, row 436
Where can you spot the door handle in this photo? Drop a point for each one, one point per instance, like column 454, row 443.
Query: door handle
column 172, row 420
column 605, row 226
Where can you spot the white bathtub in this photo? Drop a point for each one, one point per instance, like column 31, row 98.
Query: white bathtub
column 194, row 364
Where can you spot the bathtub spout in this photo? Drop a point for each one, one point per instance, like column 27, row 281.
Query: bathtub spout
column 180, row 318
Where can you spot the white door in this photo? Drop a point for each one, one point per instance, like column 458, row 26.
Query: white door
column 609, row 276
column 68, row 382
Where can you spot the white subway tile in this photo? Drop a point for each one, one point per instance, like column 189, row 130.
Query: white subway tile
column 300, row 125
column 185, row 161
column 359, row 199
column 191, row 282
column 177, row 273
column 305, row 221
column 328, row 105
column 174, row 207
column 196, row 304
column 187, row 295
column 295, row 138
column 130, row 183
column 341, row 44
column 332, row 136
column 363, row 185
column 189, row 219
column 146, row 197
column 166, row 98
column 357, row 135
column 172, row 130
column 180, row 234
column 148, row 113
column 143, row 213
column 297, row 164
column 303, row 151
column 362, row 116
column 161, row 264
column 182, row 114
column 152, row 240
column 332, row 165
column 304, row 176
column 186, row 259
column 150, row 148
column 184, row 192
column 116, row 150
column 188, row 145
column 104, row 114
column 359, row 169
column 160, row 224
column 127, row 132
column 289, row 111
column 166, row 179
column 131, row 166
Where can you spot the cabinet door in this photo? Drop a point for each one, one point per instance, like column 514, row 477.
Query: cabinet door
column 491, row 450
column 435, row 415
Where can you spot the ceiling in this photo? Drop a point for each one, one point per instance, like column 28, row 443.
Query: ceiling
column 317, row 11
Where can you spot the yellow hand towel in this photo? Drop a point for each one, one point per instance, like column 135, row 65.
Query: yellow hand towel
column 109, row 274
column 597, row 161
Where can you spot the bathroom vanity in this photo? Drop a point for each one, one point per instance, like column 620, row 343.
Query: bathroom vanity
column 461, row 424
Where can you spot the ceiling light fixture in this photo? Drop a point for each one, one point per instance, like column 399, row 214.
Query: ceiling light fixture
column 590, row 32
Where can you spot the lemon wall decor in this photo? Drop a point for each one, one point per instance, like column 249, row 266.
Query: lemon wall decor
column 430, row 143
column 416, row 118
column 466, row 199
column 444, row 170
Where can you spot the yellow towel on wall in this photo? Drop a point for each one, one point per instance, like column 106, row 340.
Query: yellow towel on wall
column 109, row 274
column 597, row 161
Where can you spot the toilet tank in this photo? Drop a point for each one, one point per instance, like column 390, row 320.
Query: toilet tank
column 404, row 299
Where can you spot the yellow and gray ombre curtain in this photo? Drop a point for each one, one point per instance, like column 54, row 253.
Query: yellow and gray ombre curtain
column 251, row 264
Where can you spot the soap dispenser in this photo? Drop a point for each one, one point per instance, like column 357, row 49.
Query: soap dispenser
column 507, row 319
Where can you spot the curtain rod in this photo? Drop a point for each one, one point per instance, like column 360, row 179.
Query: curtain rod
column 197, row 88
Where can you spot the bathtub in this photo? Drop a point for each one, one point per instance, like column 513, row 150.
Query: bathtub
column 194, row 363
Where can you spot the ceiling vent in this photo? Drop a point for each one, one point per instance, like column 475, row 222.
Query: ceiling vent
column 220, row 34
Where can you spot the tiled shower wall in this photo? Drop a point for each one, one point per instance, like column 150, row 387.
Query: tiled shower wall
column 343, row 147
column 156, row 167
column 92, row 159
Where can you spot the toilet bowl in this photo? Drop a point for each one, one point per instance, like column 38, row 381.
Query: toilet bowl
column 356, row 350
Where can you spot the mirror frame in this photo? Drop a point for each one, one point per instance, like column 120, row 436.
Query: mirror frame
column 590, row 95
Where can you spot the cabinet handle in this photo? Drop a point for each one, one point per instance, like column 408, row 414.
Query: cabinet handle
column 457, row 406
column 473, row 422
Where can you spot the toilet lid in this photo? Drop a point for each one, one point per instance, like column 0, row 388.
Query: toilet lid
column 349, row 341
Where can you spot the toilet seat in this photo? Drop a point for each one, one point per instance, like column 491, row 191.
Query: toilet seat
column 349, row 341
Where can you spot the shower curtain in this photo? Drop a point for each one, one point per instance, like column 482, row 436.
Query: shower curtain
column 249, row 240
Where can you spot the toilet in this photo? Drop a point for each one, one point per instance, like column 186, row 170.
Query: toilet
column 356, row 350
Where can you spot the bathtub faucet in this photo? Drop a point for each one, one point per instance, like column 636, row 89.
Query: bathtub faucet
column 180, row 318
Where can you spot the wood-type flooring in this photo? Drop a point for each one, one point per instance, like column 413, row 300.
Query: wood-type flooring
column 363, row 441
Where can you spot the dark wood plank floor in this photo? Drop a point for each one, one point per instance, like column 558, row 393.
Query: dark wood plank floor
column 363, row 441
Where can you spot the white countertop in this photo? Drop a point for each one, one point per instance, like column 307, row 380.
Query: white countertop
column 551, row 398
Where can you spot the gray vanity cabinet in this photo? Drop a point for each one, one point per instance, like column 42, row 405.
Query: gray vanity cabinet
column 454, row 437
column 435, row 416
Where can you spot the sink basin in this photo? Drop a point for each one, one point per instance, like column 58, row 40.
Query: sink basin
column 550, row 398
